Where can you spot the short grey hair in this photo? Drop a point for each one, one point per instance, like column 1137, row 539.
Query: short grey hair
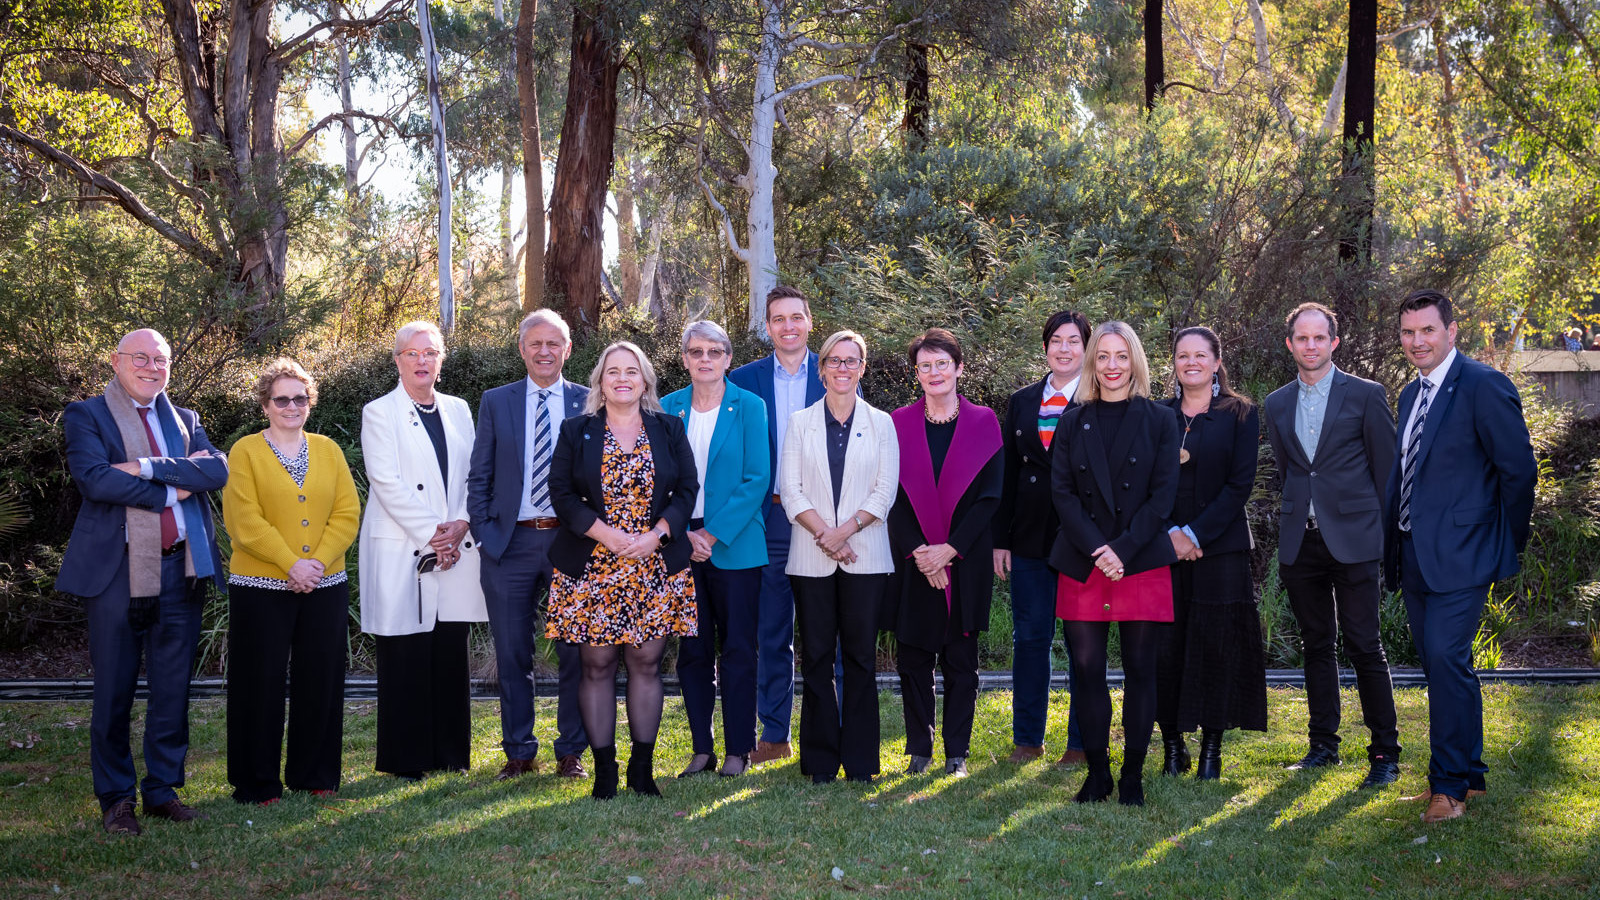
column 707, row 330
column 650, row 402
column 543, row 317
column 409, row 330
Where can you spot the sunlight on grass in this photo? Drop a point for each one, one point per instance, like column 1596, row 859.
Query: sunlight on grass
column 704, row 812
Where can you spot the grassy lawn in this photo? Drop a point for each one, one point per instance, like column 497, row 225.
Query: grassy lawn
column 1004, row 831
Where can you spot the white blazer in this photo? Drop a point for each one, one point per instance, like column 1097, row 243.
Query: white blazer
column 406, row 501
column 871, row 477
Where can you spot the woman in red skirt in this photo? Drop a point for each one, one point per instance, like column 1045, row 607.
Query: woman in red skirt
column 1113, row 479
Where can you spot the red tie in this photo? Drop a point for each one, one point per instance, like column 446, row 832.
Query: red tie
column 169, row 522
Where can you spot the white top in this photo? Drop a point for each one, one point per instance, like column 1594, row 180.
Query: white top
column 871, row 478
column 1070, row 391
column 702, row 425
column 1436, row 377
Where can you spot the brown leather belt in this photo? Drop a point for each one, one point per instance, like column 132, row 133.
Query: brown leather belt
column 543, row 523
column 777, row 499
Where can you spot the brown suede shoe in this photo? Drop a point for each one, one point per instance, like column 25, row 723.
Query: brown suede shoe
column 1444, row 806
column 570, row 766
column 1427, row 795
column 1023, row 754
column 174, row 810
column 767, row 751
column 119, row 819
column 1072, row 758
column 515, row 767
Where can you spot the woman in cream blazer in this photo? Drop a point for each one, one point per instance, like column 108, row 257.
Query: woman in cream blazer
column 419, row 562
column 838, row 474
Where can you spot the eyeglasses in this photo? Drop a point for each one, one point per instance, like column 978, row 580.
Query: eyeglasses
column 935, row 365
column 300, row 400
column 843, row 362
column 412, row 356
column 145, row 360
column 713, row 354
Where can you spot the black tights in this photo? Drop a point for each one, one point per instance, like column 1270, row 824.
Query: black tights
column 1092, row 699
column 597, row 693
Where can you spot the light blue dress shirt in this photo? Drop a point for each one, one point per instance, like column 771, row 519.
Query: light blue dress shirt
column 1312, row 406
column 556, row 402
column 788, row 394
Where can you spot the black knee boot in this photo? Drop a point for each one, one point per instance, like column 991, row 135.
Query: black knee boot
column 1174, row 753
column 641, row 766
column 605, row 773
column 1210, row 767
column 1097, row 786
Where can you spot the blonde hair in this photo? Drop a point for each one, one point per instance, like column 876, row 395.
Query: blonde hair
column 283, row 367
column 839, row 337
column 1089, row 385
column 650, row 402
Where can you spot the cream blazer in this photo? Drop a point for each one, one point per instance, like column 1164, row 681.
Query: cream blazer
column 871, row 477
column 406, row 501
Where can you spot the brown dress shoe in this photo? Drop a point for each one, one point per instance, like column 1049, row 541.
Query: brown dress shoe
column 1021, row 754
column 767, row 751
column 174, row 810
column 119, row 819
column 570, row 766
column 515, row 767
column 1072, row 758
column 1444, row 806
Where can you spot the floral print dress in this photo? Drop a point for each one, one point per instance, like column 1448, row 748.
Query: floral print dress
column 617, row 600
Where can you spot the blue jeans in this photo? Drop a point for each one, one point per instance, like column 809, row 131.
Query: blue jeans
column 1033, row 630
column 775, row 634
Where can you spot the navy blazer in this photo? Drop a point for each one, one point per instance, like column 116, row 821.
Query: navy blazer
column 1025, row 522
column 494, row 481
column 1473, row 493
column 756, row 377
column 99, row 536
column 577, row 491
column 1224, row 449
column 1114, row 489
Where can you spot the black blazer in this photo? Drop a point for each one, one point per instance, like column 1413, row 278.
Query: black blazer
column 1025, row 522
column 576, row 487
column 1223, row 449
column 1114, row 489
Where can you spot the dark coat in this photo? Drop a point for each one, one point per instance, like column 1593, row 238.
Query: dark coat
column 494, row 481
column 1223, row 449
column 1025, row 521
column 1114, row 489
column 756, row 377
column 576, row 489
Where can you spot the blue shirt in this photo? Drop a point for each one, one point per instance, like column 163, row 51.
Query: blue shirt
column 788, row 395
column 556, row 403
column 1311, row 408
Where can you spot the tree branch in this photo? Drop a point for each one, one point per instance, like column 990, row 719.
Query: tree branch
column 732, row 239
column 330, row 118
column 804, row 86
column 292, row 48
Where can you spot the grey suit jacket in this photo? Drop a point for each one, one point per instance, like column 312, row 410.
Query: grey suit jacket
column 1348, row 479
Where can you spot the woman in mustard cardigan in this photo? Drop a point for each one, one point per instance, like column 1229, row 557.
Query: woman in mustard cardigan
column 291, row 510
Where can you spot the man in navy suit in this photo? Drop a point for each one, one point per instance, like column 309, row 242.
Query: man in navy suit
column 787, row 381
column 142, row 551
column 508, row 502
column 1459, row 500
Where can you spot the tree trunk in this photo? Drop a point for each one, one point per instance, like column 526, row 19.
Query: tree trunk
column 650, row 288
column 761, row 266
column 1447, row 126
column 1155, row 61
column 532, row 157
column 1360, row 107
column 508, row 250
column 441, row 162
column 627, row 237
column 583, row 168
column 352, row 154
column 915, row 120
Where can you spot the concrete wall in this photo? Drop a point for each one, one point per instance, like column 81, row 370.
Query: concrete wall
column 1566, row 376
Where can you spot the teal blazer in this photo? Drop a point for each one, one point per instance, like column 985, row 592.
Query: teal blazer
column 738, row 475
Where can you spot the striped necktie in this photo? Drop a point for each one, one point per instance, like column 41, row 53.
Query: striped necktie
column 543, row 447
column 1408, row 472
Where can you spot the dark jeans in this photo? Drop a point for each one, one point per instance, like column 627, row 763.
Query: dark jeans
column 167, row 650
column 839, row 610
column 775, row 634
column 424, row 701
column 1329, row 597
column 724, row 653
column 1443, row 626
column 514, row 588
column 958, row 660
column 273, row 634
column 1033, row 630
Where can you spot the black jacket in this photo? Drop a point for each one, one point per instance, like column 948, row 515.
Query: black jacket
column 1025, row 522
column 1223, row 450
column 1114, row 489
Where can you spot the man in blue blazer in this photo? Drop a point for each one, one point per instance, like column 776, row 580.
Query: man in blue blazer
column 508, row 503
column 142, row 551
column 1459, row 500
column 787, row 382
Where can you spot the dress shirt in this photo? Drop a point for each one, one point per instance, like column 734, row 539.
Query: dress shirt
column 556, row 403
column 1312, row 406
column 838, row 441
column 146, row 472
column 1436, row 377
column 788, row 394
column 702, row 426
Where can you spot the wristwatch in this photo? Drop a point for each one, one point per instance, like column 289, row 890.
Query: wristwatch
column 663, row 536
column 856, row 517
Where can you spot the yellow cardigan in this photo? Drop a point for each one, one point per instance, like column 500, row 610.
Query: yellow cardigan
column 273, row 524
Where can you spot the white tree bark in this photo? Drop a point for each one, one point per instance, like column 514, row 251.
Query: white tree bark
column 352, row 155
column 430, row 55
column 1264, row 68
column 652, row 261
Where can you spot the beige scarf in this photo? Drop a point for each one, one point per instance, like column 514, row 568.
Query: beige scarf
column 144, row 527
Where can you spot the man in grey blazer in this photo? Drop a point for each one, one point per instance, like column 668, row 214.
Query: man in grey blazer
column 508, row 502
column 1334, row 441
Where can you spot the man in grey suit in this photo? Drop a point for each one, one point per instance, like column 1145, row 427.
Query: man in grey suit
column 1334, row 441
column 508, row 501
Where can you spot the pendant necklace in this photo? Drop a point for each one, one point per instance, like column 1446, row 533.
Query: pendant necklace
column 1188, row 423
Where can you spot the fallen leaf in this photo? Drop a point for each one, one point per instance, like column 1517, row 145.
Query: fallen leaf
column 837, row 873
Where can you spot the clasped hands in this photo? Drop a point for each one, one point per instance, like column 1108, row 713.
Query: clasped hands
column 1106, row 560
column 933, row 561
column 1186, row 550
column 629, row 545
column 835, row 542
column 446, row 542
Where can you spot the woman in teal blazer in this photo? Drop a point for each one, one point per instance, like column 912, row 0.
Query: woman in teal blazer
column 727, row 429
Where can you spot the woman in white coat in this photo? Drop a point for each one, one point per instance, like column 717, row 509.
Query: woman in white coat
column 419, row 562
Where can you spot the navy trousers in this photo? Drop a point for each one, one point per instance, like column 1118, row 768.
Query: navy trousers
column 167, row 650
column 1033, row 630
column 722, row 654
column 775, row 633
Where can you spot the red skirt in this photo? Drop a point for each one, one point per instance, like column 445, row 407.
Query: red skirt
column 1145, row 597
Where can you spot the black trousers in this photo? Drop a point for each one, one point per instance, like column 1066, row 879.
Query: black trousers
column 273, row 634
column 424, row 701
column 958, row 661
column 839, row 610
column 1329, row 597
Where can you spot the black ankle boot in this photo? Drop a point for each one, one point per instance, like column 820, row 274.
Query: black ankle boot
column 605, row 773
column 1097, row 786
column 1174, row 755
column 1210, row 767
column 1130, row 787
column 641, row 766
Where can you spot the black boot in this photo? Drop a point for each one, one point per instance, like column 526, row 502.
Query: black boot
column 605, row 773
column 1097, row 786
column 641, row 766
column 1210, row 768
column 1130, row 787
column 1174, row 754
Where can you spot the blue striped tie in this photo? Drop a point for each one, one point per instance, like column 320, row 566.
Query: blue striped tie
column 543, row 446
column 1408, row 472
